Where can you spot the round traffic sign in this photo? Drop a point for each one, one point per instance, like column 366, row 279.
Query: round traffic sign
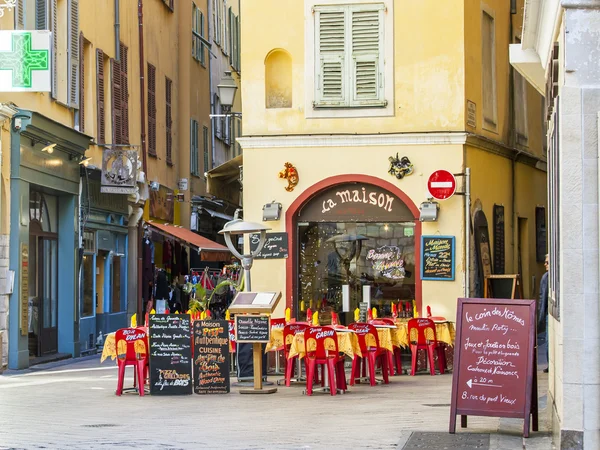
column 441, row 184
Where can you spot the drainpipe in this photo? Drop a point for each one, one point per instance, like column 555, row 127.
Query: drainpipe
column 140, row 232
column 117, row 32
column 212, row 96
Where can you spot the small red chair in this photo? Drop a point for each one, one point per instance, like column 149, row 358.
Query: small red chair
column 371, row 351
column 321, row 346
column 289, row 331
column 132, row 350
column 396, row 355
column 422, row 336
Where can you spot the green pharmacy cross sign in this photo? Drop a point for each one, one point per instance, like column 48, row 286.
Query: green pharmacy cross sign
column 22, row 60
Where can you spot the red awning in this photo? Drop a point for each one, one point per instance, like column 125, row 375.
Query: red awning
column 209, row 250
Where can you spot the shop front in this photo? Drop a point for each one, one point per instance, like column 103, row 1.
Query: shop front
column 104, row 268
column 355, row 241
column 44, row 212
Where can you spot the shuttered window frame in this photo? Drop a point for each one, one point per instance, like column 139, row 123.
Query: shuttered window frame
column 350, row 52
column 100, row 98
column 194, row 169
column 151, row 110
column 205, row 150
column 169, row 120
column 74, row 56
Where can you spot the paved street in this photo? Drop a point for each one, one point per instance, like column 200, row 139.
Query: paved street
column 72, row 406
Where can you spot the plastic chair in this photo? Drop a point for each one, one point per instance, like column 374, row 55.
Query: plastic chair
column 289, row 331
column 422, row 336
column 321, row 346
column 368, row 340
column 278, row 323
column 132, row 350
column 396, row 356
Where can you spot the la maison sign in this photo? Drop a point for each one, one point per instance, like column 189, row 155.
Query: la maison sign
column 353, row 202
column 362, row 195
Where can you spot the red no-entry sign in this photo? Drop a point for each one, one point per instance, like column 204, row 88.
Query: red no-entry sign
column 441, row 184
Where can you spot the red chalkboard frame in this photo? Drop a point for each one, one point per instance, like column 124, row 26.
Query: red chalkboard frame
column 530, row 410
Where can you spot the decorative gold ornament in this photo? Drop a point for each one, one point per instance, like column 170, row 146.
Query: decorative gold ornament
column 291, row 175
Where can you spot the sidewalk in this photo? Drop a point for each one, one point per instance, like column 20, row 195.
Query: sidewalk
column 73, row 406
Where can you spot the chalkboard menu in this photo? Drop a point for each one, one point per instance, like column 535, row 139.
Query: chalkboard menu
column 437, row 258
column 252, row 328
column 276, row 245
column 363, row 308
column 211, row 357
column 170, row 354
column 494, row 361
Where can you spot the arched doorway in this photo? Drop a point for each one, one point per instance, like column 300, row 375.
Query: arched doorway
column 352, row 237
column 43, row 274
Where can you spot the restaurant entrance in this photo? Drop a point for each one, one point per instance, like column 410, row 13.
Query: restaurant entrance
column 355, row 241
column 43, row 280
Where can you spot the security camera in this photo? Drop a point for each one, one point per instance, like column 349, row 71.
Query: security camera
column 154, row 186
column 17, row 124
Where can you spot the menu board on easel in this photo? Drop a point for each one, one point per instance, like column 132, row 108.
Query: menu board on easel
column 211, row 357
column 170, row 354
column 495, row 361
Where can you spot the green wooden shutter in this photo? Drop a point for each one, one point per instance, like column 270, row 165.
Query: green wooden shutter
column 20, row 15
column 41, row 15
column 100, row 110
column 367, row 64
column 205, row 149
column 331, row 72
column 54, row 13
column 74, row 53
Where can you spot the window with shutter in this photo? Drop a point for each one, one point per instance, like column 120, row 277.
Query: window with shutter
column 194, row 169
column 124, row 94
column 100, row 110
column 488, row 60
column 349, row 66
column 81, row 83
column 20, row 15
column 54, row 29
column 168, row 97
column 205, row 149
column 41, row 14
column 151, row 110
column 74, row 53
column 117, row 120
column 197, row 35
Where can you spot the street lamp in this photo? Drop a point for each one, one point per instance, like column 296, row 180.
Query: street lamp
column 237, row 227
column 227, row 89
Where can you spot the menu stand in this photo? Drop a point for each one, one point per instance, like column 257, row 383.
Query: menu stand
column 253, row 325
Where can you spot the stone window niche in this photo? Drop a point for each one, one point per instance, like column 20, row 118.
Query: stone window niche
column 278, row 79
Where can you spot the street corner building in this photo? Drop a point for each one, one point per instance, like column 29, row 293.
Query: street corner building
column 345, row 122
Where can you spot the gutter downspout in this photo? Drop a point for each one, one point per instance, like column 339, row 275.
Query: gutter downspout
column 117, row 32
column 140, row 233
column 212, row 96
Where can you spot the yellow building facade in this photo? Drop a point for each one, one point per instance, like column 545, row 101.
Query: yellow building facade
column 339, row 90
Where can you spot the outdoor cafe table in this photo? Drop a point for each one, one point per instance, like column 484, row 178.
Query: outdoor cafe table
column 388, row 337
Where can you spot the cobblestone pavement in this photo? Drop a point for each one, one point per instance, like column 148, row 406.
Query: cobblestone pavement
column 73, row 406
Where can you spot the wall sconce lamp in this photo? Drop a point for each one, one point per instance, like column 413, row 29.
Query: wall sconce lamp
column 271, row 211
column 429, row 211
column 49, row 148
column 85, row 161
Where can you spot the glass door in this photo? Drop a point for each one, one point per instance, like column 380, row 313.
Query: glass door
column 48, row 283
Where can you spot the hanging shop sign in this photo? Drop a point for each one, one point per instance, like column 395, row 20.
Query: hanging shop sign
column 437, row 258
column 161, row 204
column 353, row 202
column 119, row 171
column 25, row 61
column 387, row 262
